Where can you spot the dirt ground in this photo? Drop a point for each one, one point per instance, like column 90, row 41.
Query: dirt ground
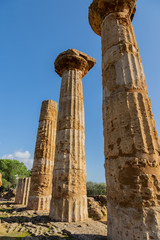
column 19, row 223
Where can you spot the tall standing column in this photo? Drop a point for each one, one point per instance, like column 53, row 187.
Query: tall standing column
column 69, row 201
column 131, row 143
column 41, row 180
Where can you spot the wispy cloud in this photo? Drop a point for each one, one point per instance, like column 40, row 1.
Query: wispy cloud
column 24, row 157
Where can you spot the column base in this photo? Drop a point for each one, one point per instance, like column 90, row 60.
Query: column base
column 133, row 224
column 39, row 203
column 69, row 210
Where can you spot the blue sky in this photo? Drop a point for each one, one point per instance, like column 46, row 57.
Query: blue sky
column 32, row 34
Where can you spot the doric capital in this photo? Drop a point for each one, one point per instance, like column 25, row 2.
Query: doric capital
column 99, row 9
column 48, row 110
column 73, row 59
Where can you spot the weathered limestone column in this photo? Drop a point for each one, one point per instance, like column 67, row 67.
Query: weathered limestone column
column 26, row 191
column 41, row 180
column 69, row 201
column 18, row 191
column 131, row 143
column 22, row 191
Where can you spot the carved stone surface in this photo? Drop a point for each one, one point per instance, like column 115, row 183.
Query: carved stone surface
column 131, row 143
column 22, row 191
column 69, row 201
column 41, row 180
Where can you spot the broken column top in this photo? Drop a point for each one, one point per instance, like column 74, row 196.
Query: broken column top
column 48, row 110
column 73, row 59
column 99, row 9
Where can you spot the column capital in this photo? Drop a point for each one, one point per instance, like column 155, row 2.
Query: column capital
column 99, row 9
column 73, row 59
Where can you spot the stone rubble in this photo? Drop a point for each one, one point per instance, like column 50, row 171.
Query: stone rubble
column 39, row 225
column 96, row 209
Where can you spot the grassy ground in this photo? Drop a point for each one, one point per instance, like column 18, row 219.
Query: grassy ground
column 14, row 235
column 3, row 231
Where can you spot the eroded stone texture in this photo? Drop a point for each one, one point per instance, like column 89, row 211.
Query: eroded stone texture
column 22, row 191
column 41, row 180
column 131, row 143
column 69, row 201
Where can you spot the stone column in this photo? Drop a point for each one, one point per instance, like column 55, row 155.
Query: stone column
column 131, row 143
column 23, row 187
column 41, row 180
column 26, row 191
column 18, row 191
column 69, row 201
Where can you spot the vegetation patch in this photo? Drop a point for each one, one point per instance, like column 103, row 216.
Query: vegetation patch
column 14, row 235
column 11, row 170
column 94, row 189
column 3, row 216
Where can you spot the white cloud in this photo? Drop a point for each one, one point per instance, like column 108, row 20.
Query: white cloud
column 24, row 157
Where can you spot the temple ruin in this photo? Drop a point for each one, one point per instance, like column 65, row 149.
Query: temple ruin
column 22, row 191
column 131, row 143
column 41, row 180
column 69, row 200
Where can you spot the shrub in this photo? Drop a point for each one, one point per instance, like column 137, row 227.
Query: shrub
column 94, row 189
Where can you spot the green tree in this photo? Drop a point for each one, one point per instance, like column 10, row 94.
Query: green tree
column 94, row 189
column 11, row 169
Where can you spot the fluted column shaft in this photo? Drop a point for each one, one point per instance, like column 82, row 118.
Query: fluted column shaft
column 69, row 176
column 26, row 189
column 18, row 191
column 41, row 180
column 69, row 200
column 131, row 143
column 22, row 191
